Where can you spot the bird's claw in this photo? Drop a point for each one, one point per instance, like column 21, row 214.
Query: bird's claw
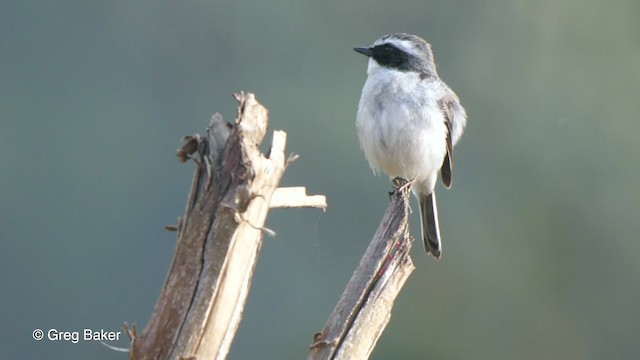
column 400, row 184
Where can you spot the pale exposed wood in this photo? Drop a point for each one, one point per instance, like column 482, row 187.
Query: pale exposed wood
column 296, row 197
column 219, row 238
column 364, row 308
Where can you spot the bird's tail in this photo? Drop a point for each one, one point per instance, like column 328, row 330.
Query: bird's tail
column 430, row 227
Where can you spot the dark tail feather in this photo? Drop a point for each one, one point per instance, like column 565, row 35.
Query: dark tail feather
column 430, row 227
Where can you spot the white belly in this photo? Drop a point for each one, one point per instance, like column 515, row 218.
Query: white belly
column 401, row 137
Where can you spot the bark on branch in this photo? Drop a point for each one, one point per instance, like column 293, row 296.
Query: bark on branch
column 219, row 237
column 365, row 306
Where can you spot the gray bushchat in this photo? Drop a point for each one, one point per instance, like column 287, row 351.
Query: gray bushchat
column 408, row 122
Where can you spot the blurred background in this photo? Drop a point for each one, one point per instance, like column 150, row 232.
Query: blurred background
column 540, row 228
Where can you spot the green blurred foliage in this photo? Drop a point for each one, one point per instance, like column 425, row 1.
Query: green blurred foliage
column 540, row 228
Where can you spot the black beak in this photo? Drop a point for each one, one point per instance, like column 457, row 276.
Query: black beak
column 364, row 51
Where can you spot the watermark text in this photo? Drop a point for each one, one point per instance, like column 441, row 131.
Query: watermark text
column 76, row 336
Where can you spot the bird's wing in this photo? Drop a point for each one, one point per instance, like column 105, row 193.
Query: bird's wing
column 455, row 119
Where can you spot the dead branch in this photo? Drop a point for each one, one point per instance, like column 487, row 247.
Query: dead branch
column 219, row 237
column 365, row 306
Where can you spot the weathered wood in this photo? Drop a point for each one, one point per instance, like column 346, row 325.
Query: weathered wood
column 296, row 197
column 365, row 306
column 219, row 238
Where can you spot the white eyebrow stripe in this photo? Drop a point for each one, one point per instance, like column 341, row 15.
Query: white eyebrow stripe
column 404, row 45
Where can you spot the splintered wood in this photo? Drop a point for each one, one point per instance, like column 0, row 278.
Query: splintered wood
column 219, row 236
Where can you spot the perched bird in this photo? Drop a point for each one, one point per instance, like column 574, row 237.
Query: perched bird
column 408, row 122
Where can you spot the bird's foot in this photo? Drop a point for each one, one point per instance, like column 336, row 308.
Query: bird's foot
column 400, row 184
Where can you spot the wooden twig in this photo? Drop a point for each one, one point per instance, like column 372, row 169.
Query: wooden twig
column 219, row 238
column 296, row 197
column 365, row 306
